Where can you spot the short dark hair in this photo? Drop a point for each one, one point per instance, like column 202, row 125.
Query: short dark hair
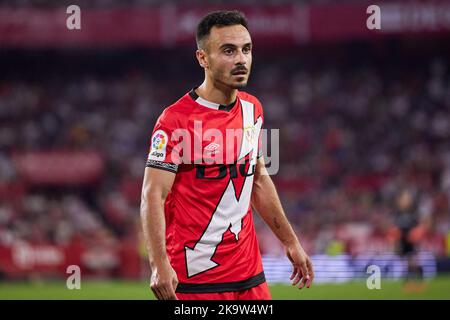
column 219, row 19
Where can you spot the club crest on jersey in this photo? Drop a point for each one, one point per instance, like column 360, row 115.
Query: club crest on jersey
column 159, row 144
column 249, row 133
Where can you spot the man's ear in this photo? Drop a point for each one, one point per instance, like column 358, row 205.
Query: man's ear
column 201, row 57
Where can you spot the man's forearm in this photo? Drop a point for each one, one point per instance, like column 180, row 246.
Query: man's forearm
column 266, row 201
column 154, row 228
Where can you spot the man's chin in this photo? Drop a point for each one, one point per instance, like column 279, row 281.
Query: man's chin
column 239, row 85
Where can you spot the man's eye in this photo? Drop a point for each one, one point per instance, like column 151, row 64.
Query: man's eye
column 228, row 51
column 246, row 50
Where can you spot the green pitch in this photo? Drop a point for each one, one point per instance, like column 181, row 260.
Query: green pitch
column 438, row 288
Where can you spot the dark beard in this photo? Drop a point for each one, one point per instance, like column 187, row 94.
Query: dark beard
column 239, row 85
column 224, row 83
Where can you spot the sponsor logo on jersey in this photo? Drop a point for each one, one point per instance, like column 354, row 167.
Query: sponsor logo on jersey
column 159, row 144
column 211, row 149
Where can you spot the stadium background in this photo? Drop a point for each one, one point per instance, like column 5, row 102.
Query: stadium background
column 361, row 114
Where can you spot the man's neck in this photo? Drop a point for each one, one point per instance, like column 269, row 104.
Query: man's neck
column 217, row 94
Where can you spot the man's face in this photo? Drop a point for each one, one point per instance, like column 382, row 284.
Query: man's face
column 227, row 55
column 404, row 201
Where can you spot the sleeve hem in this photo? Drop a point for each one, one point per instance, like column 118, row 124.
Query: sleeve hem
column 171, row 167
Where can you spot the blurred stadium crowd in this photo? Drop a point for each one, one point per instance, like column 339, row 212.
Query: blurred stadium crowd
column 352, row 135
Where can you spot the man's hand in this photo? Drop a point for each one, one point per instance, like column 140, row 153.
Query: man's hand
column 266, row 201
column 303, row 269
column 164, row 282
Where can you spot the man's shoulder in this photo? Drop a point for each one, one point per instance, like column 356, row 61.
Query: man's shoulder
column 177, row 110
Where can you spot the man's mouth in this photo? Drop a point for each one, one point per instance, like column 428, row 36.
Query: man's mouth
column 239, row 72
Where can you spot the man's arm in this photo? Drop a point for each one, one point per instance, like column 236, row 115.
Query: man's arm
column 156, row 186
column 266, row 201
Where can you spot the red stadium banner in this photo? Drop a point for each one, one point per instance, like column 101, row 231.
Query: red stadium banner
column 24, row 259
column 59, row 167
column 173, row 25
column 11, row 191
column 39, row 27
column 270, row 25
column 366, row 182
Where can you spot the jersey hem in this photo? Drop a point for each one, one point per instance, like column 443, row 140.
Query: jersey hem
column 222, row 287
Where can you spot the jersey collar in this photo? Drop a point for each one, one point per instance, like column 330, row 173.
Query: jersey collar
column 210, row 104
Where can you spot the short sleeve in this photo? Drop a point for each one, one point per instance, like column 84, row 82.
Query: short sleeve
column 161, row 146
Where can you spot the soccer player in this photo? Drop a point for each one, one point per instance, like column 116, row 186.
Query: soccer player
column 199, row 190
column 410, row 231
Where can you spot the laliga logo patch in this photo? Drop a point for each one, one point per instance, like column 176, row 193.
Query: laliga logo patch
column 159, row 141
column 159, row 144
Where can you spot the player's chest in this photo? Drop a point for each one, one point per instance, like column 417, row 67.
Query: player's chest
column 220, row 136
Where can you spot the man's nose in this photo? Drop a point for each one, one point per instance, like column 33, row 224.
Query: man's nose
column 241, row 58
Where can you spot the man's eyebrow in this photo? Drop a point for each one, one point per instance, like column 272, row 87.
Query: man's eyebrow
column 230, row 45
